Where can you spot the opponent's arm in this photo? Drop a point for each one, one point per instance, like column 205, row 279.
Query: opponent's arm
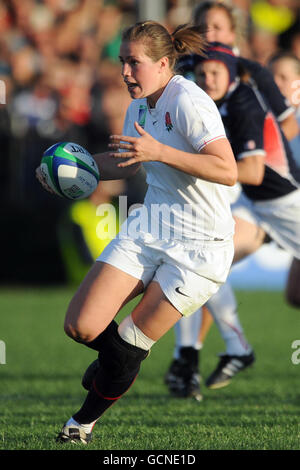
column 251, row 170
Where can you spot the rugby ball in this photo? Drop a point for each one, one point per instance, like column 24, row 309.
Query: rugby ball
column 70, row 170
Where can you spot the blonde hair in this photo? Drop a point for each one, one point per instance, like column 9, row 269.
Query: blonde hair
column 158, row 42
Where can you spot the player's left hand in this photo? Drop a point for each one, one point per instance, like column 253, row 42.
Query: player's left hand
column 139, row 149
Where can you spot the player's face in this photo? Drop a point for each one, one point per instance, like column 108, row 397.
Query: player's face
column 213, row 77
column 286, row 77
column 143, row 77
column 219, row 27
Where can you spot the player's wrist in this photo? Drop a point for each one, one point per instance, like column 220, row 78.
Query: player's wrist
column 162, row 153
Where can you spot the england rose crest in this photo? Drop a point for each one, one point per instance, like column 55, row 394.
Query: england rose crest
column 168, row 122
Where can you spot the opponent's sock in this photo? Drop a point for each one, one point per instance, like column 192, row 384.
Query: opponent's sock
column 223, row 308
column 186, row 332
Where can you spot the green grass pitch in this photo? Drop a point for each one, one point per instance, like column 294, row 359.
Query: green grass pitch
column 40, row 383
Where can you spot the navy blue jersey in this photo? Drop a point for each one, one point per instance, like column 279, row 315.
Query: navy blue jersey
column 260, row 76
column 265, row 82
column 252, row 129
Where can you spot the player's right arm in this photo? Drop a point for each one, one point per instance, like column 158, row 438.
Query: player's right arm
column 109, row 169
column 108, row 166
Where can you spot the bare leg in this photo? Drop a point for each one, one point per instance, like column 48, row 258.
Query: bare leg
column 248, row 238
column 293, row 284
column 207, row 321
column 119, row 361
column 104, row 291
column 155, row 315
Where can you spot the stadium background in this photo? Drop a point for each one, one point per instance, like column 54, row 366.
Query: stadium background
column 59, row 63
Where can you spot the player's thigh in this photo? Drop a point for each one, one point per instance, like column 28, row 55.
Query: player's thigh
column 248, row 238
column 155, row 315
column 103, row 292
column 293, row 282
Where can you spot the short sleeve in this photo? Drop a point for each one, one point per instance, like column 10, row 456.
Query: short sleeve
column 246, row 123
column 198, row 119
column 266, row 84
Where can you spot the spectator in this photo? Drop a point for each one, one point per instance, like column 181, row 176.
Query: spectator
column 286, row 70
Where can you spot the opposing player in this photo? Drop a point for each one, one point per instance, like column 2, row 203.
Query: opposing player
column 178, row 261
column 269, row 202
column 285, row 67
column 222, row 24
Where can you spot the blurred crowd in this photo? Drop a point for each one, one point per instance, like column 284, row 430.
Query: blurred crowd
column 61, row 74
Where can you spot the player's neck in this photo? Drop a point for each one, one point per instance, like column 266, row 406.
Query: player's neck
column 152, row 99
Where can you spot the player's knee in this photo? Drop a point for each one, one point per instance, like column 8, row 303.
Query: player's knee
column 79, row 331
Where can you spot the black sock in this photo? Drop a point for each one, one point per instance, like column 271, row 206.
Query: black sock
column 119, row 364
column 95, row 405
column 96, row 343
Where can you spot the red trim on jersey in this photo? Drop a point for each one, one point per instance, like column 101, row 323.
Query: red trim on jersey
column 211, row 140
column 275, row 152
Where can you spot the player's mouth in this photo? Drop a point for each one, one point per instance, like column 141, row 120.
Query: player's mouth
column 131, row 86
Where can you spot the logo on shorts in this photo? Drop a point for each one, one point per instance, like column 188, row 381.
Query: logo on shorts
column 179, row 292
column 168, row 122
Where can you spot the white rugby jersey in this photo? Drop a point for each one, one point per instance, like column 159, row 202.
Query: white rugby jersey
column 180, row 205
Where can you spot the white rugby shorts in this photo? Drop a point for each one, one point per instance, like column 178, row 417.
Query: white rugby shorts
column 188, row 272
column 279, row 218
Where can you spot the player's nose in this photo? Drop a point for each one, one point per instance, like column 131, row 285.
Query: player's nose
column 126, row 70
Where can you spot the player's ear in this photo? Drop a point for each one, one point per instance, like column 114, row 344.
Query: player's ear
column 164, row 63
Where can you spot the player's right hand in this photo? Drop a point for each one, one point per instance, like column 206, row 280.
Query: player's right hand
column 41, row 178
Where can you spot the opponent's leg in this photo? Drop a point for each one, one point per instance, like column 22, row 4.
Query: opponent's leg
column 292, row 288
column 239, row 354
column 183, row 377
column 206, row 324
column 248, row 238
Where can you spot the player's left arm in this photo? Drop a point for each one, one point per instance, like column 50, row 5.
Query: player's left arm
column 215, row 162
